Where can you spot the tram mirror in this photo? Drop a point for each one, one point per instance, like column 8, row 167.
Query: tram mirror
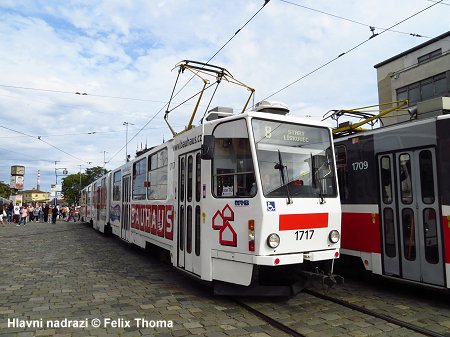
column 208, row 147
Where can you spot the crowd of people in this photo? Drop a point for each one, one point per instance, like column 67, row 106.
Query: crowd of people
column 37, row 212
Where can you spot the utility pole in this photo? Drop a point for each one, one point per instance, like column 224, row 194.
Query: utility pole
column 126, row 140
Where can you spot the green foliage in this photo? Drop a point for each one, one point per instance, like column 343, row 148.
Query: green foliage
column 72, row 184
column 94, row 173
column 5, row 191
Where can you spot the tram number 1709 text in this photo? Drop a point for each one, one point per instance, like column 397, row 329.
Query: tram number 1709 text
column 306, row 235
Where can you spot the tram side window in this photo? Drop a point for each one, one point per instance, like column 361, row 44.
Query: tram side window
column 139, row 175
column 116, row 185
column 386, row 180
column 341, row 165
column 233, row 170
column 157, row 175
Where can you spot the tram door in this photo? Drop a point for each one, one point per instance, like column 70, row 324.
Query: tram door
column 189, row 212
column 125, row 216
column 411, row 226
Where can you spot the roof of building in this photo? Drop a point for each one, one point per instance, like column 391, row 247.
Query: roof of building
column 437, row 38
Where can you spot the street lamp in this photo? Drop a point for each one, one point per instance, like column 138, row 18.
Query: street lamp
column 104, row 157
column 126, row 140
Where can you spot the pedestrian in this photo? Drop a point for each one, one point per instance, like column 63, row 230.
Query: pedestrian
column 36, row 212
column 46, row 212
column 10, row 212
column 24, row 213
column 54, row 214
column 31, row 213
column 2, row 215
column 16, row 212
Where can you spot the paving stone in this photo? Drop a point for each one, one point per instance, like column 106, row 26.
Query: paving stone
column 70, row 271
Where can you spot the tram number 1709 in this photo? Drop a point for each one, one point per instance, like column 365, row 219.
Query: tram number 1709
column 307, row 235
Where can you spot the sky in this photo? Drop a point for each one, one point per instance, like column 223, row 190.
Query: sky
column 72, row 72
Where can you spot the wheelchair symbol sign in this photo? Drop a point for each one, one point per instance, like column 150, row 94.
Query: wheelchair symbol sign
column 271, row 206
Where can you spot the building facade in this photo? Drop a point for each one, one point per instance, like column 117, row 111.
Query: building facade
column 421, row 75
column 34, row 196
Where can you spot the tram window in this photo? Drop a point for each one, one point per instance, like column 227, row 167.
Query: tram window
column 389, row 232
column 103, row 194
column 409, row 234
column 88, row 196
column 405, row 178
column 426, row 176
column 181, row 233
column 198, row 167
column 386, row 179
column 341, row 165
column 431, row 239
column 116, row 185
column 190, row 168
column 139, row 175
column 197, row 230
column 157, row 175
column 189, row 230
column 233, row 170
column 182, row 179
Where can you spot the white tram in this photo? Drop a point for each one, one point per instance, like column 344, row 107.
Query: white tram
column 235, row 197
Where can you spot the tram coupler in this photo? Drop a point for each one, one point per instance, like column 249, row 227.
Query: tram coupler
column 329, row 280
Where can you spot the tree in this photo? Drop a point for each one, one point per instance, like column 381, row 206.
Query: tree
column 5, row 191
column 94, row 173
column 71, row 186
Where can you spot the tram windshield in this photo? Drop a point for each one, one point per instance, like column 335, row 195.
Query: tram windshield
column 294, row 160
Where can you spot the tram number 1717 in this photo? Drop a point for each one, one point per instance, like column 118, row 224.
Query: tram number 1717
column 307, row 235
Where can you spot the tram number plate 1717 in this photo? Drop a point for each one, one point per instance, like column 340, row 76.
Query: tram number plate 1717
column 304, row 235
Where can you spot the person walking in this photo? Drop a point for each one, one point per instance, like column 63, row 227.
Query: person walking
column 54, row 215
column 46, row 212
column 24, row 213
column 10, row 212
column 16, row 212
column 37, row 210
column 2, row 215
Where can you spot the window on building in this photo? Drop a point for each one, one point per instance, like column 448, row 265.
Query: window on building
column 431, row 87
column 157, row 175
column 430, row 56
column 139, row 175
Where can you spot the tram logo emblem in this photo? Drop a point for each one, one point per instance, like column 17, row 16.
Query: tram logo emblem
column 270, row 206
column 221, row 222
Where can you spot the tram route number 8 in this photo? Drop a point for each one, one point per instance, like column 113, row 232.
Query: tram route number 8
column 360, row 165
column 307, row 235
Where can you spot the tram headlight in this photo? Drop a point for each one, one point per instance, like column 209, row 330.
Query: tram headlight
column 334, row 236
column 273, row 240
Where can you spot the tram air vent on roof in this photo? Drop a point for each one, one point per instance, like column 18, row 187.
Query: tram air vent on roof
column 272, row 107
column 219, row 112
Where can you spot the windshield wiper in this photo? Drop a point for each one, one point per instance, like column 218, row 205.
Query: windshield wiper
column 316, row 180
column 279, row 166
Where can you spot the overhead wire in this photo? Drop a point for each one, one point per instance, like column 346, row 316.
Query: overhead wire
column 79, row 93
column 182, row 88
column 351, row 20
column 42, row 140
column 350, row 50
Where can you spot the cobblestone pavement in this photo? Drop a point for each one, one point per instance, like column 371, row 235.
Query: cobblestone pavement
column 69, row 273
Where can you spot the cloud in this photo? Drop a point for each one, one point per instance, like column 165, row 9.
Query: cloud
column 121, row 54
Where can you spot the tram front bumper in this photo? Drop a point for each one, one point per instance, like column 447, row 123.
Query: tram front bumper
column 280, row 260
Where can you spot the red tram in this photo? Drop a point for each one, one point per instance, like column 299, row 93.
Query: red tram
column 395, row 193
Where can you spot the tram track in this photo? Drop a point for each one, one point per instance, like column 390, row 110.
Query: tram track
column 292, row 332
column 373, row 313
